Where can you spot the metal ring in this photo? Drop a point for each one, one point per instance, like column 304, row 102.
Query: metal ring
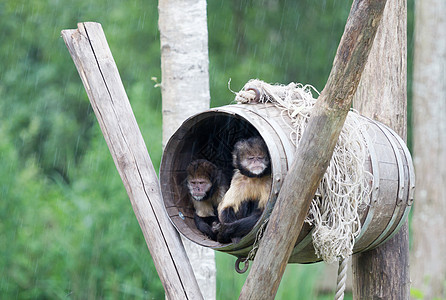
column 237, row 265
column 257, row 97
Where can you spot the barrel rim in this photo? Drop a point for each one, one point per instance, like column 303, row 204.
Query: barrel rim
column 176, row 139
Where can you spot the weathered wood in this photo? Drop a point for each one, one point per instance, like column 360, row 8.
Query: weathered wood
column 93, row 59
column 185, row 92
column 383, row 273
column 184, row 61
column 314, row 151
column 428, row 266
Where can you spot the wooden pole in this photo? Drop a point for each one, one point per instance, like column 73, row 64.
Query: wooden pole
column 383, row 273
column 314, row 152
column 185, row 92
column 428, row 266
column 93, row 59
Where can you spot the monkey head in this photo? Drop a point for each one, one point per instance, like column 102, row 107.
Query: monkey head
column 251, row 157
column 201, row 179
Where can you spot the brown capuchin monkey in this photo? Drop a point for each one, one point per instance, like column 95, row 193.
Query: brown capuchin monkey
column 249, row 191
column 206, row 186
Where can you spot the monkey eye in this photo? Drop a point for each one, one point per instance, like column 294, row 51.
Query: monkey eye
column 251, row 157
column 198, row 182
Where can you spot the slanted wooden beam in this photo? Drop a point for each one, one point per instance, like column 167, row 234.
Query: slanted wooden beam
column 314, row 152
column 93, row 59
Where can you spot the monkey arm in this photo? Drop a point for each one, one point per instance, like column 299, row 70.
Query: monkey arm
column 238, row 228
column 234, row 226
column 204, row 224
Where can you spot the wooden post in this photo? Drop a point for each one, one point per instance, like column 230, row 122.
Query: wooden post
column 428, row 266
column 314, row 151
column 97, row 69
column 383, row 273
column 185, row 92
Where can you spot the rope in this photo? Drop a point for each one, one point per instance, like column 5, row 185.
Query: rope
column 247, row 96
column 342, row 278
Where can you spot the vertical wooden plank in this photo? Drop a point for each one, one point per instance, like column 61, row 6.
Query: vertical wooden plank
column 383, row 273
column 185, row 92
column 94, row 61
column 428, row 266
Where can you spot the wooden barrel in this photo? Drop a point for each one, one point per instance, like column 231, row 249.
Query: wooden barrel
column 212, row 134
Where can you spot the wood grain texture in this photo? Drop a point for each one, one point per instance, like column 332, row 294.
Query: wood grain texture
column 428, row 266
column 383, row 272
column 185, row 92
column 314, row 151
column 93, row 59
column 184, row 61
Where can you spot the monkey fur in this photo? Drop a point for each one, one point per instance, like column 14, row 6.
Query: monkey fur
column 244, row 202
column 206, row 186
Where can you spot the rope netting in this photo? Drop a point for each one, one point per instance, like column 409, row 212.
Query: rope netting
column 346, row 184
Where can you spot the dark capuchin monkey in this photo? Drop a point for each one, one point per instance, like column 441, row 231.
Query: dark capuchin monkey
column 249, row 191
column 206, row 186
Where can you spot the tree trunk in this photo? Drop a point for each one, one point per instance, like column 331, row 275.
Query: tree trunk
column 314, row 151
column 383, row 273
column 185, row 91
column 429, row 106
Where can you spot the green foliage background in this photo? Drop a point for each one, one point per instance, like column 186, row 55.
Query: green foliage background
column 67, row 229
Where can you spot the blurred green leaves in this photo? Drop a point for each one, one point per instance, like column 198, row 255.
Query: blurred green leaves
column 275, row 41
column 67, row 229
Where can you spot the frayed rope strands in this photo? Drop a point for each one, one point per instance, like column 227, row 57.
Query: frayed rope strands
column 346, row 185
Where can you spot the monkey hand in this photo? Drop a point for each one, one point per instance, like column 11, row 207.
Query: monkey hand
column 225, row 233
column 216, row 227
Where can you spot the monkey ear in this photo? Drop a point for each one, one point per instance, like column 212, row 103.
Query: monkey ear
column 235, row 152
column 234, row 159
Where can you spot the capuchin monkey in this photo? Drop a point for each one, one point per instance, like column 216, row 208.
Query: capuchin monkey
column 249, row 191
column 206, row 186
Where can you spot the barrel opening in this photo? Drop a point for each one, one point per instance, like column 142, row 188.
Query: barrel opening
column 211, row 136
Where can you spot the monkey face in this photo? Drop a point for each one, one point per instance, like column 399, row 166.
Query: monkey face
column 201, row 178
column 255, row 164
column 199, row 187
column 251, row 157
